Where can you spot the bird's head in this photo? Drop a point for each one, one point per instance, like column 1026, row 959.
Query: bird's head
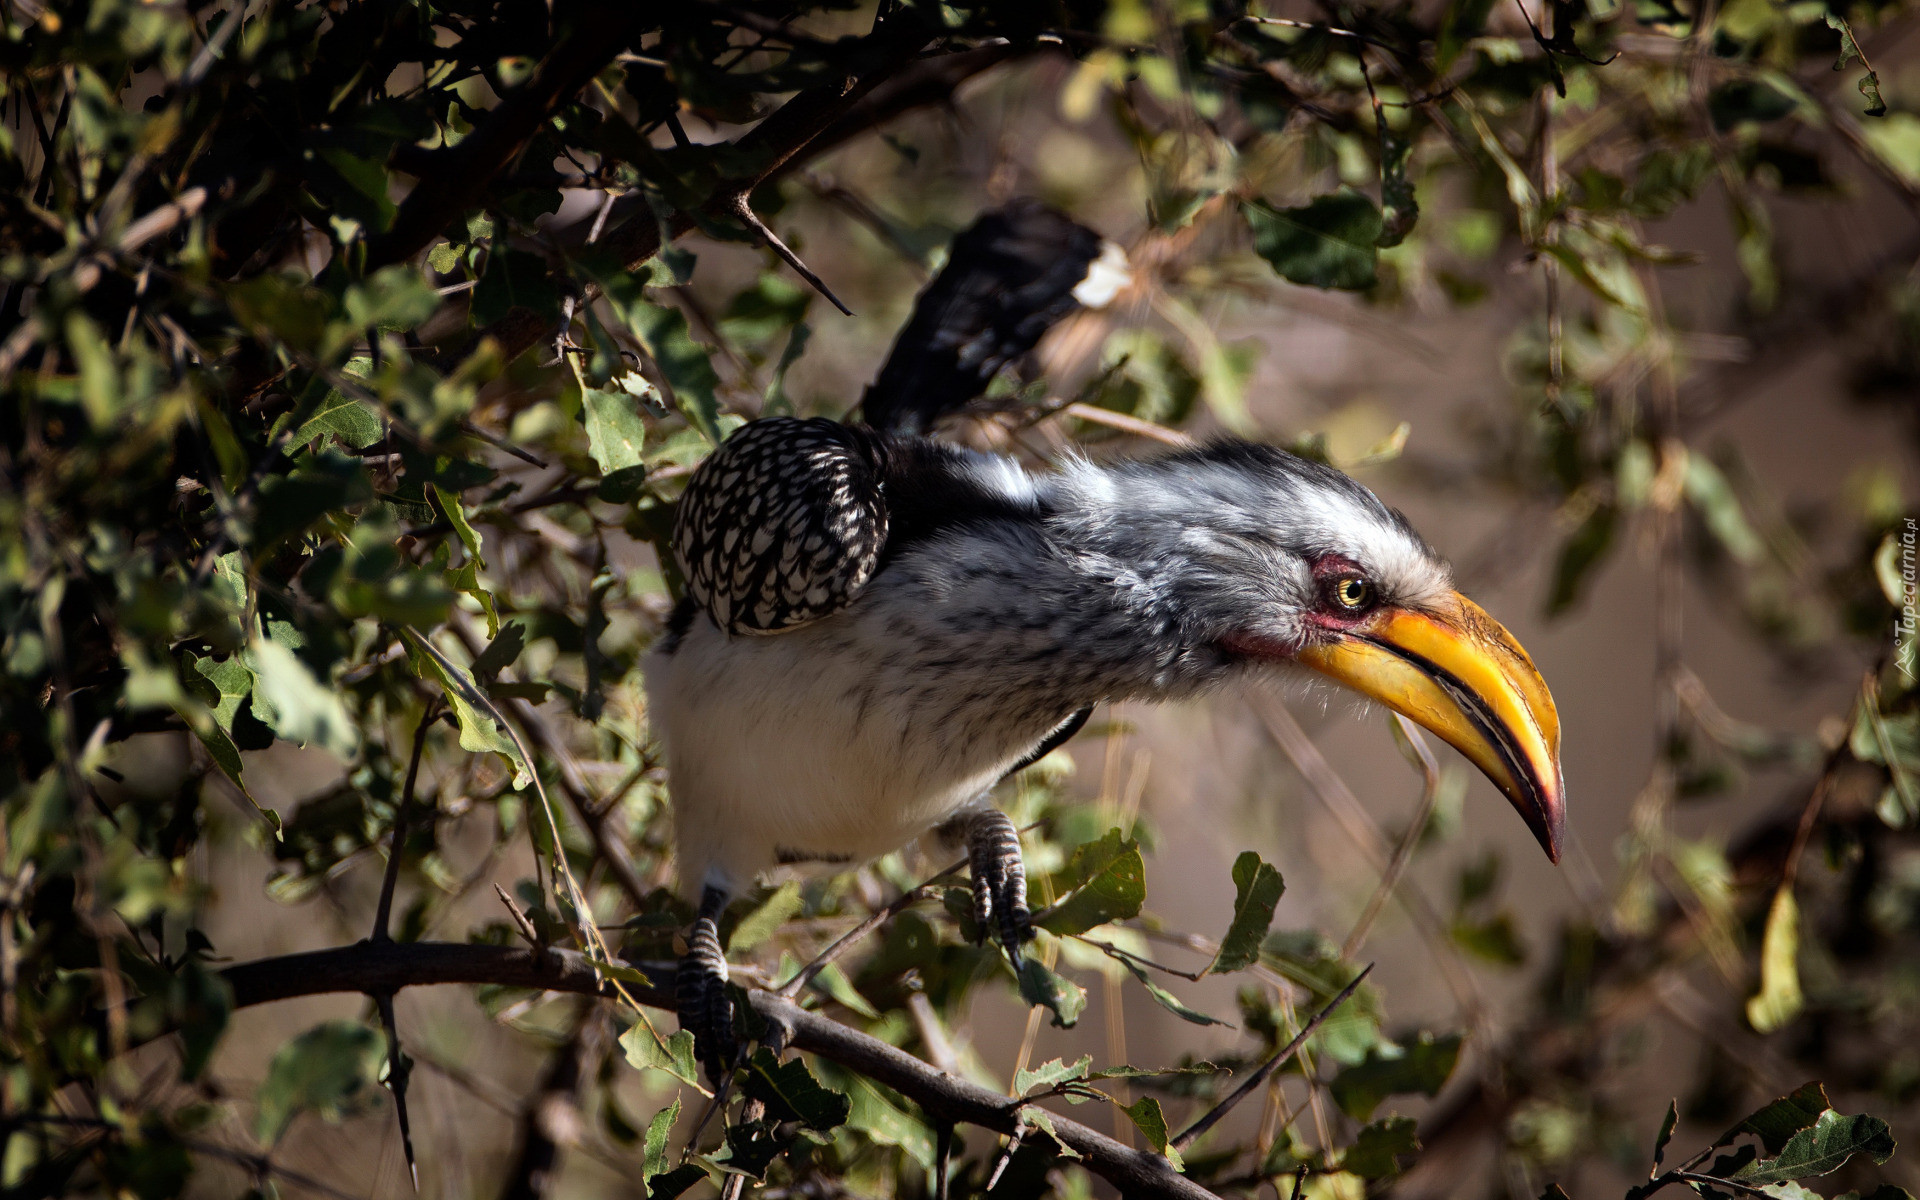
column 1271, row 559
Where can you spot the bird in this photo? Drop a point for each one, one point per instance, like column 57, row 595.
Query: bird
column 878, row 625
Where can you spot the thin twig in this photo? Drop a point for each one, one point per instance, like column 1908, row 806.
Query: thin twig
column 942, row 1151
column 1267, row 1068
column 397, row 1072
column 525, row 926
column 501, row 444
column 1126, row 423
column 743, row 210
column 1359, row 826
column 1006, row 1156
column 383, row 912
column 1409, row 841
column 791, row 987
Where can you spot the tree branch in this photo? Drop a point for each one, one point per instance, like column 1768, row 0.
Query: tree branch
column 812, row 123
column 369, row 967
column 453, row 178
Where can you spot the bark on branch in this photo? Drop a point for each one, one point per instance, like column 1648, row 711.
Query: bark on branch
column 805, row 127
column 370, row 967
column 453, row 178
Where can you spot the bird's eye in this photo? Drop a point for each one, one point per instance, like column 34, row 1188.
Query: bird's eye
column 1353, row 592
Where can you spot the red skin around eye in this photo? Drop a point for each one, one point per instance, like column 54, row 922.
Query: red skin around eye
column 1328, row 615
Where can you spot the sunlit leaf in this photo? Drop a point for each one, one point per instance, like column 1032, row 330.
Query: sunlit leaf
column 764, row 921
column 1049, row 1073
column 1778, row 1000
column 645, row 1049
column 1152, row 1123
column 1822, row 1149
column 297, row 706
column 1108, row 882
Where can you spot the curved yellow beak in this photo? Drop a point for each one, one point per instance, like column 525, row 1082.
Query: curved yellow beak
column 1456, row 671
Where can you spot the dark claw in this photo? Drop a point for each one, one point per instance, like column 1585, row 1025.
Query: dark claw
column 706, row 1008
column 999, row 881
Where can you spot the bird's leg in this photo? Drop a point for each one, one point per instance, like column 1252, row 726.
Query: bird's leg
column 700, row 991
column 999, row 880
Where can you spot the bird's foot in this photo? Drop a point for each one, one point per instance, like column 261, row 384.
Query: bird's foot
column 999, row 881
column 706, row 1007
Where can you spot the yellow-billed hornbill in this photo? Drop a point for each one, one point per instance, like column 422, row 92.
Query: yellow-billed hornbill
column 880, row 626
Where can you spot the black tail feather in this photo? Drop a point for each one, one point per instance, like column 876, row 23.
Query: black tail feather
column 1008, row 279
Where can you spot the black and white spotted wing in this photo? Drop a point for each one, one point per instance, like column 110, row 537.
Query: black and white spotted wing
column 782, row 525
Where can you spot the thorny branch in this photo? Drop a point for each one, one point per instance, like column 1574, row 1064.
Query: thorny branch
column 389, row 967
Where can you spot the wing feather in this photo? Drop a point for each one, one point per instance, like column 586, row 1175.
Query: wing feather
column 782, row 525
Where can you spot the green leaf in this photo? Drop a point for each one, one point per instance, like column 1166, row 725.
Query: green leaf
column 297, row 706
column 99, row 370
column 1373, row 1153
column 1775, row 1124
column 1666, row 1133
column 1822, row 1149
column 1041, row 1119
column 875, row 1115
column 1583, row 551
column 200, row 1001
column 1713, row 497
column 290, row 503
column 615, row 433
column 764, row 921
column 1062, row 997
column 791, row 1093
column 1109, row 882
column 348, row 419
column 394, row 297
column 645, row 1050
column 1779, row 1000
column 1422, row 1067
column 1896, row 141
column 1257, row 890
column 230, row 683
column 501, row 651
column 1168, row 1000
column 1494, row 939
column 674, row 1182
column 622, row 486
column 480, row 733
column 685, row 364
column 654, row 1161
column 1048, row 1073
column 1850, row 50
column 778, row 403
column 332, row 1069
column 1329, row 243
column 1399, row 210
column 1152, row 1123
column 659, row 1129
column 457, row 517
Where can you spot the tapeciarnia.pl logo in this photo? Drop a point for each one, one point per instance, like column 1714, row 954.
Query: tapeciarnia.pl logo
column 1904, row 624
